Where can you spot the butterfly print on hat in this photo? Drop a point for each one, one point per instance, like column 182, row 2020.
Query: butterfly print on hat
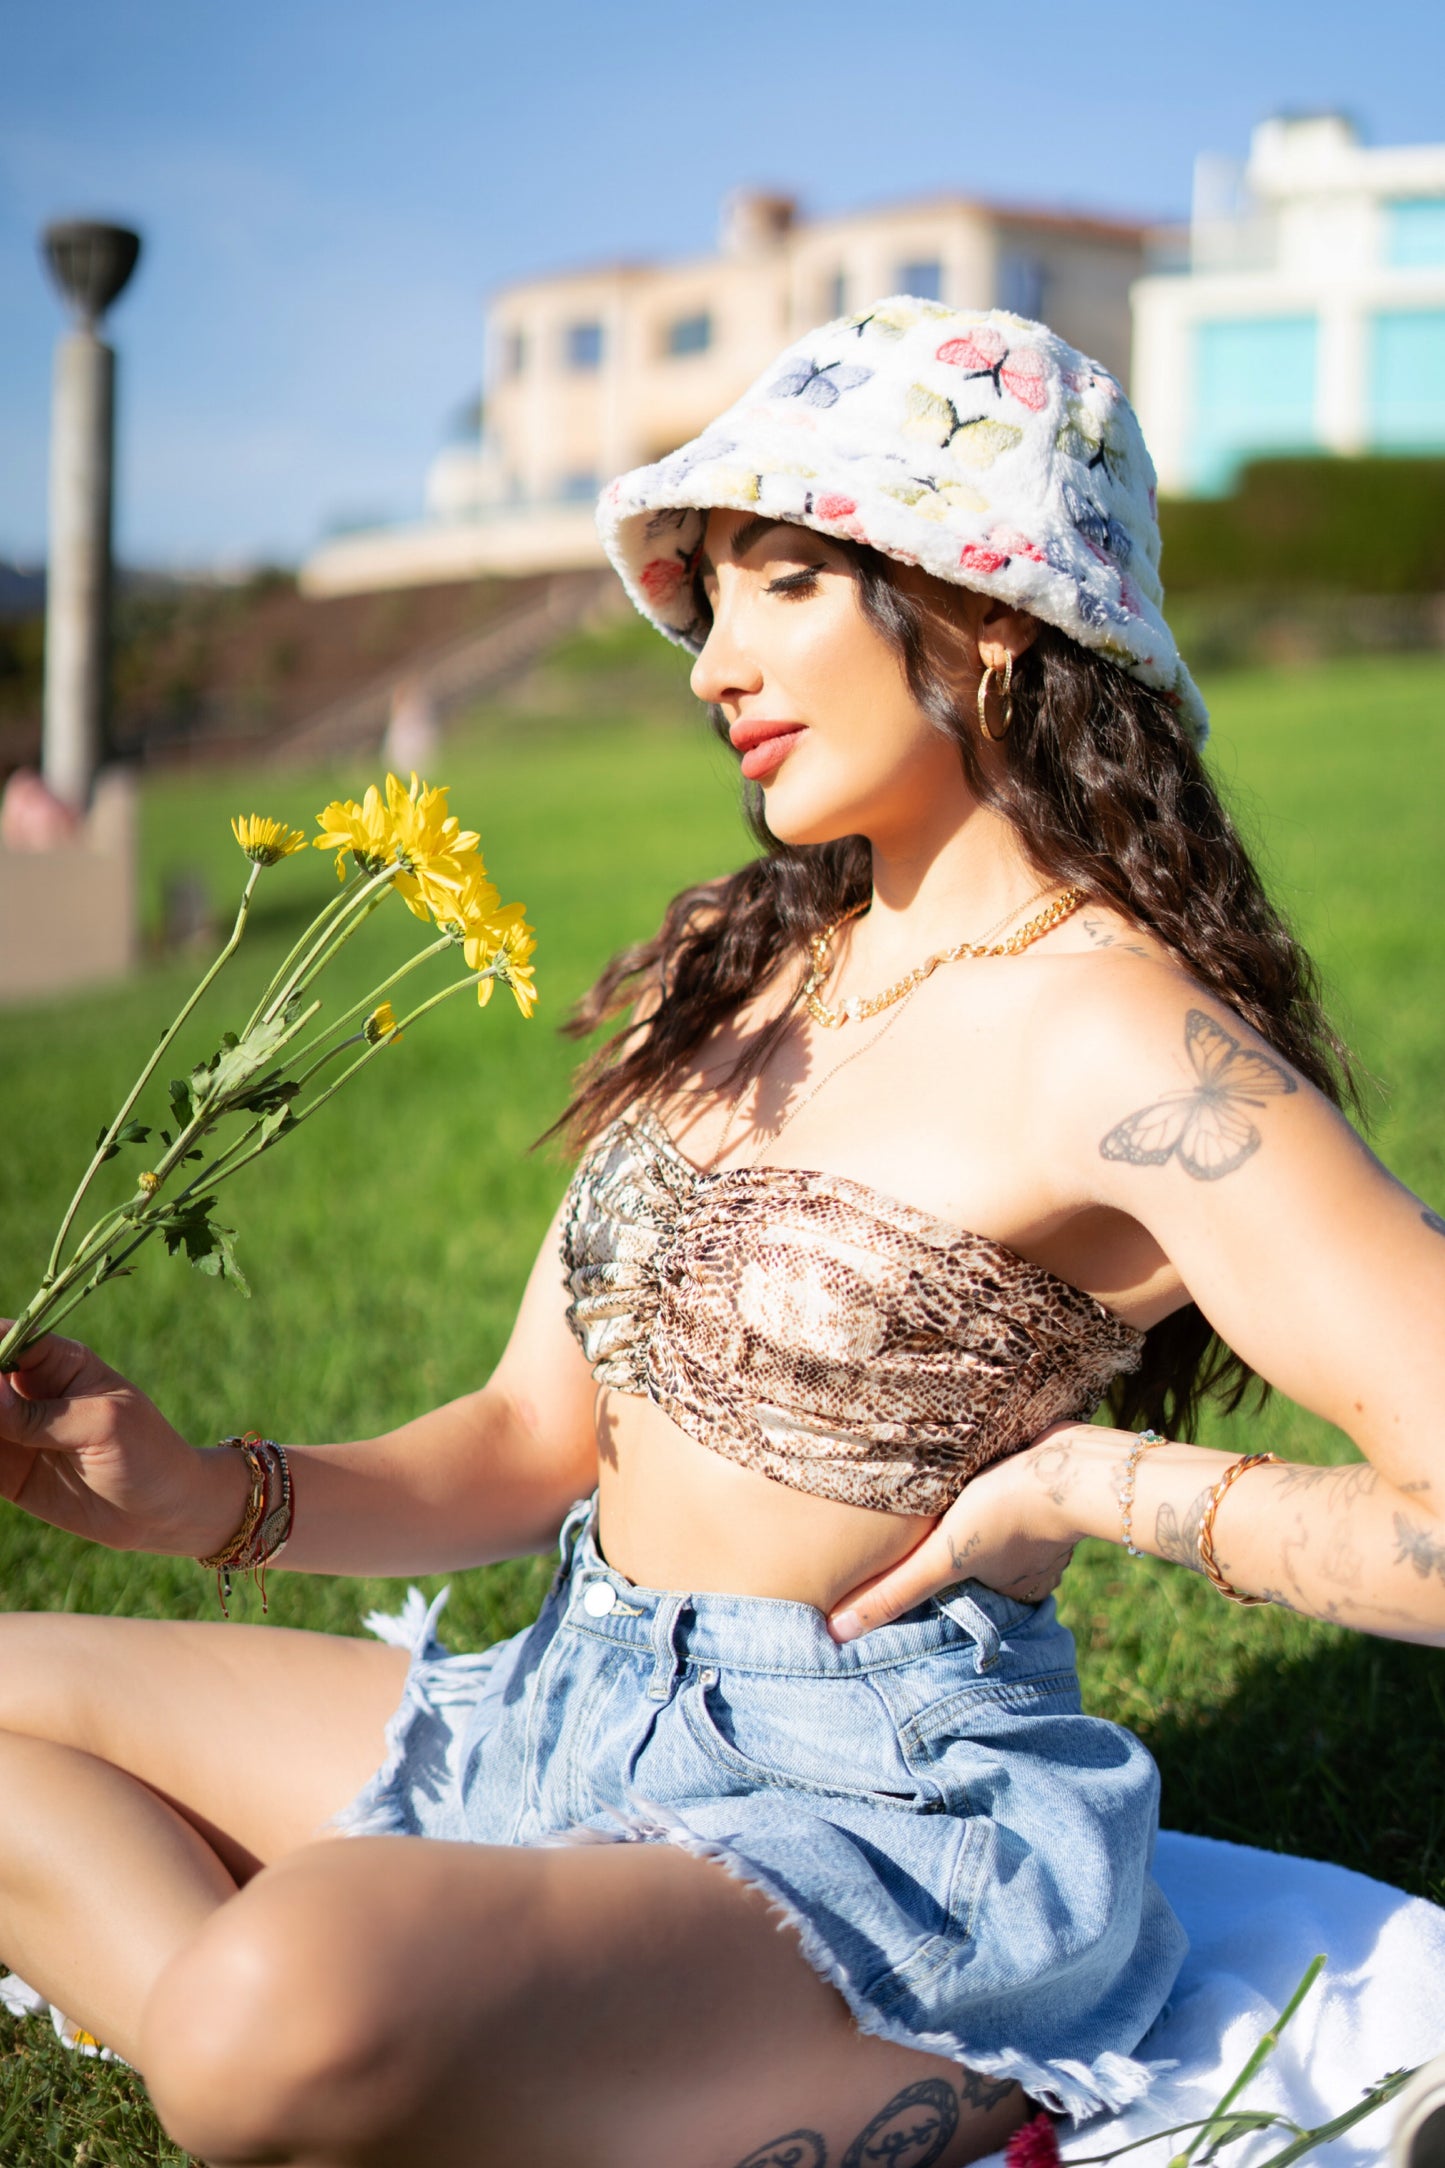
column 1019, row 370
column 1093, row 444
column 977, row 442
column 1205, row 1129
column 1109, row 541
column 671, row 521
column 891, row 320
column 820, row 386
column 999, row 551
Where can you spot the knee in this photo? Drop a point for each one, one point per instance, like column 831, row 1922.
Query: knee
column 270, row 2036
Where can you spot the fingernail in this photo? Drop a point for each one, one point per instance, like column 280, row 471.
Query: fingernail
column 845, row 1625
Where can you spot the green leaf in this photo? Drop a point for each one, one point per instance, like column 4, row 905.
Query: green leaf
column 272, row 1091
column 133, row 1133
column 211, row 1249
column 276, row 1121
column 224, row 1078
column 180, row 1094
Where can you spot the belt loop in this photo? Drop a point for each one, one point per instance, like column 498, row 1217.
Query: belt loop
column 578, row 1515
column 966, row 1611
column 664, row 1626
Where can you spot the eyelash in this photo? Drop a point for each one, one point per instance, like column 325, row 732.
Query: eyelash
column 795, row 583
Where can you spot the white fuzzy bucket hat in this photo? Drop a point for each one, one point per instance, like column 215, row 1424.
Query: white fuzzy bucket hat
column 975, row 444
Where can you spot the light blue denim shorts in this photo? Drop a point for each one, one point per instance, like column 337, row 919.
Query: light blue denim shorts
column 961, row 1852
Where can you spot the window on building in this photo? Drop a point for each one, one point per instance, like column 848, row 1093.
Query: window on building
column 1021, row 283
column 1415, row 230
column 1254, row 393
column 923, row 278
column 835, row 295
column 582, row 345
column 1407, row 380
column 689, row 334
column 579, row 486
column 514, row 351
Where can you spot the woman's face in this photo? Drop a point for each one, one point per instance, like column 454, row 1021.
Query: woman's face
column 814, row 696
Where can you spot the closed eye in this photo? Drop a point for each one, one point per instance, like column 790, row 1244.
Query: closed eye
column 795, row 583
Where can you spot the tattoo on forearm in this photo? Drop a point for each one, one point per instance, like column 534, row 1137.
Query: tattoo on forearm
column 1346, row 1485
column 1433, row 1221
column 1206, row 1129
column 911, row 2132
column 795, row 2149
column 1178, row 1540
column 1416, row 1545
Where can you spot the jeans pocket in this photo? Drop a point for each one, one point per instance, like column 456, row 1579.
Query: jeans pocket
column 803, row 1735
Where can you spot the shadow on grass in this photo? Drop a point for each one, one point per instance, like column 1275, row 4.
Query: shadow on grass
column 1337, row 1755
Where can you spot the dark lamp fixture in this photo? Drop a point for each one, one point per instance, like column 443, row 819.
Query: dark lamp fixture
column 90, row 263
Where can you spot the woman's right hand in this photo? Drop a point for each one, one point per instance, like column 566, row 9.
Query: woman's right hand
column 82, row 1448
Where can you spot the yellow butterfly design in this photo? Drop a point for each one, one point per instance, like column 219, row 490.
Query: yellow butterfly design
column 1206, row 1129
column 935, row 419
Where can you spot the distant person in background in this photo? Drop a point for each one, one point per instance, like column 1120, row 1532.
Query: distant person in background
column 993, row 1090
column 32, row 818
column 411, row 734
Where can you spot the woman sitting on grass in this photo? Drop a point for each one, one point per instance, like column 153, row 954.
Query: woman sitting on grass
column 994, row 1087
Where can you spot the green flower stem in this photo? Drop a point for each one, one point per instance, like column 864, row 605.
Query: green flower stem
column 458, row 986
column 1249, row 2120
column 328, row 910
column 369, row 1003
column 146, row 1074
column 357, row 906
column 1375, row 2097
column 1264, row 2047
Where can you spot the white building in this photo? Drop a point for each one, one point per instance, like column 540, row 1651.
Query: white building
column 1311, row 316
column 592, row 371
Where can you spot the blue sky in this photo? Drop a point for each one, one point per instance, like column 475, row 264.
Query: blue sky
column 329, row 188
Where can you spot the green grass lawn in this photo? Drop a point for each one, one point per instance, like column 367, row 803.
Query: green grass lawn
column 388, row 1258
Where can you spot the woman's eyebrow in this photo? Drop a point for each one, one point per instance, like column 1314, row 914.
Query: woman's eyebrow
column 751, row 531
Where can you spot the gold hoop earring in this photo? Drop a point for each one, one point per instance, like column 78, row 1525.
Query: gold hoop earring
column 1006, row 699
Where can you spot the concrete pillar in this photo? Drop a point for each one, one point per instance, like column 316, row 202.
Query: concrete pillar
column 78, row 580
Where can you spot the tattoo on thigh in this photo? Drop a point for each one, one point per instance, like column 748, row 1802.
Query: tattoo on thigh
column 982, row 2092
column 911, row 2132
column 1206, row 1128
column 1180, row 1542
column 795, row 2149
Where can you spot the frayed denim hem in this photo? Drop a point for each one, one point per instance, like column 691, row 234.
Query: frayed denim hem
column 1066, row 2087
column 377, row 1810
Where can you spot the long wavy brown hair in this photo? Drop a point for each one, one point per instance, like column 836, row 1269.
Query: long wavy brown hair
column 1106, row 791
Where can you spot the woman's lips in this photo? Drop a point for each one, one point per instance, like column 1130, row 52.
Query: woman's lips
column 764, row 755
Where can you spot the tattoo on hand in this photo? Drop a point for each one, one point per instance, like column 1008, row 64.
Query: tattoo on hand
column 1417, row 1546
column 1433, row 1221
column 1180, row 1543
column 1206, row 1128
column 911, row 2132
column 961, row 1553
column 795, row 2149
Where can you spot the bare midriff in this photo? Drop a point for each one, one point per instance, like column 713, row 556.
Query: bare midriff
column 674, row 1514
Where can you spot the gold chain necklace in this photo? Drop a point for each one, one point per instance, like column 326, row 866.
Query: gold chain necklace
column 861, row 1006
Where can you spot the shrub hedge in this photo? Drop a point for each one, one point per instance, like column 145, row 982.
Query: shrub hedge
column 1364, row 526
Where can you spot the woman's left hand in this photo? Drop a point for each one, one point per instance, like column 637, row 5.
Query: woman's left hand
column 1009, row 1528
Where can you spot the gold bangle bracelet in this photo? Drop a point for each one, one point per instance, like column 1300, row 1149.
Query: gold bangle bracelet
column 1207, row 1558
column 255, row 1507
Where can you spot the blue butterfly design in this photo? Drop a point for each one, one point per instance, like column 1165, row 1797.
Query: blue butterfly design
column 820, row 387
column 1103, row 534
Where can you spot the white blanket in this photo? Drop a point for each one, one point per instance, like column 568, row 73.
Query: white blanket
column 1254, row 1921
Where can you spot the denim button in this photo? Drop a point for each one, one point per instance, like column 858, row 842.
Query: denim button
column 598, row 1598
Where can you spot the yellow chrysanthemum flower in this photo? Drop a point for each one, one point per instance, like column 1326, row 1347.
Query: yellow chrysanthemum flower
column 469, row 905
column 381, row 1024
column 508, row 941
column 266, row 842
column 362, row 832
column 432, row 849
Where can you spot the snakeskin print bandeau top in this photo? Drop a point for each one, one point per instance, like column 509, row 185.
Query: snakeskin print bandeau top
column 810, row 1327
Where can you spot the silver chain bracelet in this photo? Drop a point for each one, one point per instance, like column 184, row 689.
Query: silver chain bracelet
column 1125, row 1491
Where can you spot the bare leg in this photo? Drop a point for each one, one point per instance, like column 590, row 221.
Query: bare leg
column 396, row 2001
column 147, row 1769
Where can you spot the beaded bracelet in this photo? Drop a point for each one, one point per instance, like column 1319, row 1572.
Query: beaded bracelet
column 1207, row 1558
column 265, row 1527
column 1125, row 1491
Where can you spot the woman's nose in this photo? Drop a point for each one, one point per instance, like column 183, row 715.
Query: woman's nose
column 723, row 671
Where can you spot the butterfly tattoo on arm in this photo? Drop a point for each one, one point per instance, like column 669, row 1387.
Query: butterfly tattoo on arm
column 1207, row 1128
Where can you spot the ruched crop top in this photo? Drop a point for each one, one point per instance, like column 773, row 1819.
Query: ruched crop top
column 812, row 1328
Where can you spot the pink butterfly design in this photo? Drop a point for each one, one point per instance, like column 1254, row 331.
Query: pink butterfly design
column 1019, row 370
column 1206, row 1128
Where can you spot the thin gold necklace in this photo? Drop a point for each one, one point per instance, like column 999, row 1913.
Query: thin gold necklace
column 864, row 1005
column 826, row 1078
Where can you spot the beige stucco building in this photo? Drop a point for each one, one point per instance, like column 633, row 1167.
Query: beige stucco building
column 590, row 372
